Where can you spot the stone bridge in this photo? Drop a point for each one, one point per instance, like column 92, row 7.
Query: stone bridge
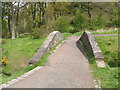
column 67, row 67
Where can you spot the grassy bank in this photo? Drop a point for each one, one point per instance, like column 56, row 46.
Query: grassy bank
column 17, row 52
column 107, row 77
column 23, row 48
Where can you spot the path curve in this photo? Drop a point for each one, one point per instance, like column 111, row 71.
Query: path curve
column 67, row 68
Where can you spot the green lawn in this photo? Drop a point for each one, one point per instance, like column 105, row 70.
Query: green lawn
column 108, row 77
column 109, row 47
column 18, row 52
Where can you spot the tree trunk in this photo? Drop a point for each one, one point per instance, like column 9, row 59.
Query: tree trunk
column 89, row 14
column 1, row 19
column 9, row 25
column 13, row 27
column 17, row 20
column 33, row 7
column 42, row 13
column 13, row 24
column 45, row 4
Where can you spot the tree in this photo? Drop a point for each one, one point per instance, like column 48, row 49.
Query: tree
column 19, row 18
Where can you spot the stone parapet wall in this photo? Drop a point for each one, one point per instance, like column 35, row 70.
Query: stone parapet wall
column 53, row 38
column 88, row 39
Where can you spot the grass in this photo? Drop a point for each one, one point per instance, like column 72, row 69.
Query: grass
column 109, row 47
column 65, row 35
column 108, row 77
column 106, row 32
column 27, row 40
column 18, row 52
column 93, row 32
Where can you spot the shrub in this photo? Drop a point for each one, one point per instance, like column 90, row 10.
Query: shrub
column 63, row 24
column 5, row 33
column 95, row 23
column 23, row 35
column 2, row 41
column 37, row 33
column 79, row 21
column 71, row 29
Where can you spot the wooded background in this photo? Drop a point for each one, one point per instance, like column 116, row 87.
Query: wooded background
column 40, row 18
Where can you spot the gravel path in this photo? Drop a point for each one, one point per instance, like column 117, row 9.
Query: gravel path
column 67, row 68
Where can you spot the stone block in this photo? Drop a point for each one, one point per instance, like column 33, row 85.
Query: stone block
column 53, row 38
column 87, row 39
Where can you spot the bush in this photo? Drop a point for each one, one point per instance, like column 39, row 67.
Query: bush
column 79, row 22
column 96, row 23
column 2, row 41
column 37, row 33
column 23, row 35
column 63, row 25
column 71, row 29
column 49, row 26
column 5, row 33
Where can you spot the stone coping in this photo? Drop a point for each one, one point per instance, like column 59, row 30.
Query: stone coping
column 87, row 39
column 53, row 38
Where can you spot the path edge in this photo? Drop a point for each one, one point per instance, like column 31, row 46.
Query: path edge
column 29, row 72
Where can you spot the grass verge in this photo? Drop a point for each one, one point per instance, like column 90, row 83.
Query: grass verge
column 108, row 76
column 17, row 52
column 42, row 62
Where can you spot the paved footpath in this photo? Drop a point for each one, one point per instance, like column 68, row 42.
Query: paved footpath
column 67, row 68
